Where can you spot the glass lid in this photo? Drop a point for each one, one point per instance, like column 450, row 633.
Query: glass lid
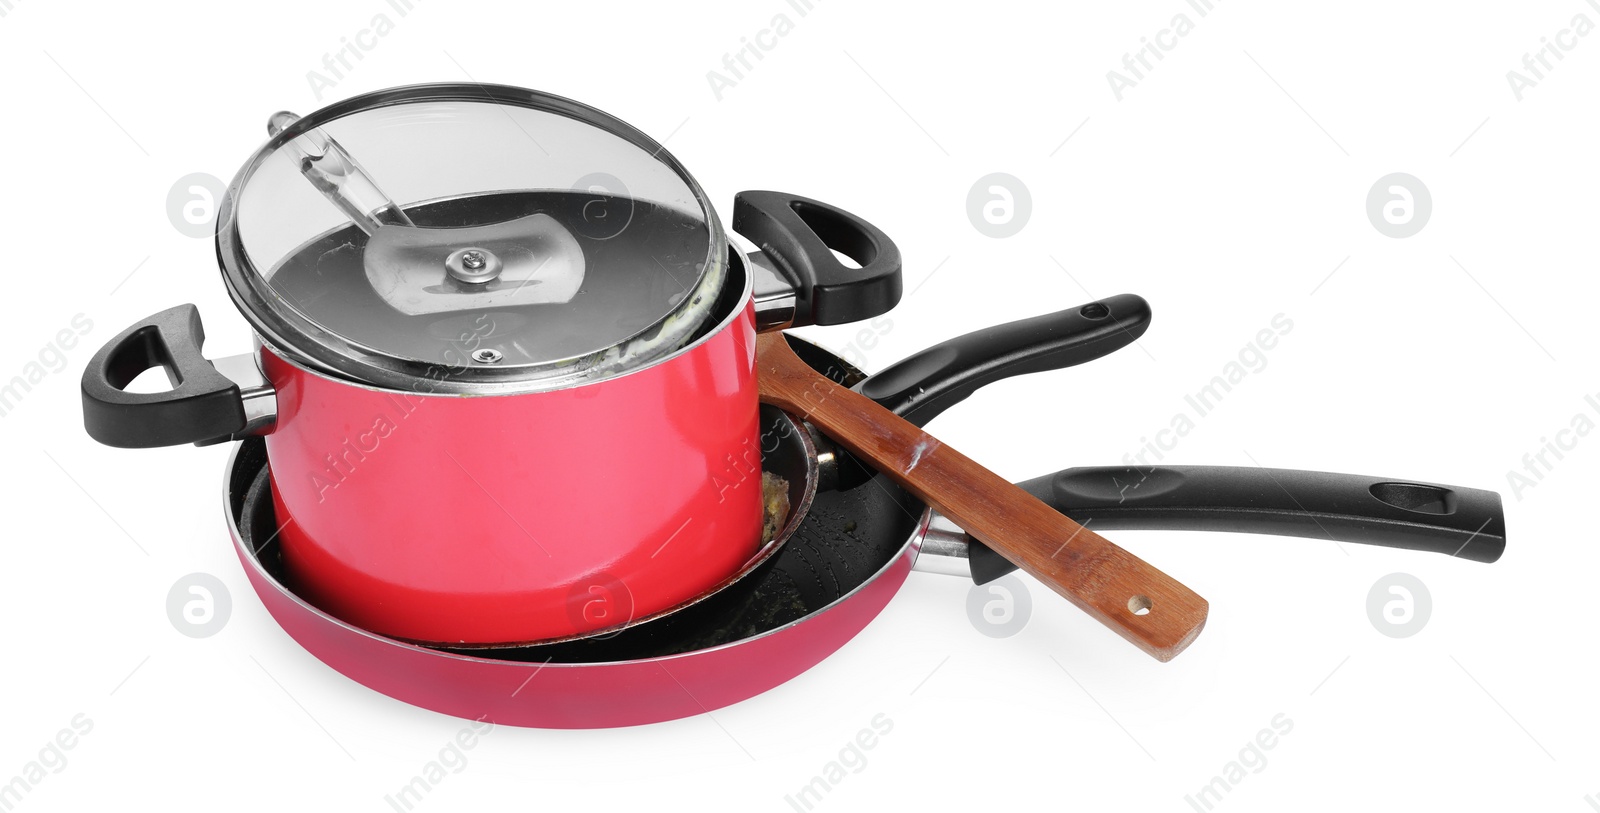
column 463, row 237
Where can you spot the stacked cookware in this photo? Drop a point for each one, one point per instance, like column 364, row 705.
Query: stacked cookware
column 522, row 438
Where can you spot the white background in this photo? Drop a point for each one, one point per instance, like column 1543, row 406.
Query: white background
column 1226, row 187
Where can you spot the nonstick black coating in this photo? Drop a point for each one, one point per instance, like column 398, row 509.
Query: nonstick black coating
column 845, row 538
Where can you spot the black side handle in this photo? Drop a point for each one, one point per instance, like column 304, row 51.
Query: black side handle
column 204, row 405
column 801, row 234
column 1467, row 523
column 923, row 385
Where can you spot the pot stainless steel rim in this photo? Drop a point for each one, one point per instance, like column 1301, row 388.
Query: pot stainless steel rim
column 284, row 328
column 260, row 400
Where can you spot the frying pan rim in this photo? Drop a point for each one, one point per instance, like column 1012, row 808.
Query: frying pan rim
column 718, row 322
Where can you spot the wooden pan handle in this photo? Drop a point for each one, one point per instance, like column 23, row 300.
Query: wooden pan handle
column 1142, row 604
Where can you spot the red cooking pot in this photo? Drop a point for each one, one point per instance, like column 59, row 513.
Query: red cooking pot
column 505, row 363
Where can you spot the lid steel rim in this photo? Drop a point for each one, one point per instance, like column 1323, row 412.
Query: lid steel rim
column 284, row 327
column 454, row 389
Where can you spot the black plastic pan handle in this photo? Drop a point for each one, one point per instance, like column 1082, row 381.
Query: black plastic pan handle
column 800, row 235
column 1466, row 523
column 923, row 385
column 203, row 406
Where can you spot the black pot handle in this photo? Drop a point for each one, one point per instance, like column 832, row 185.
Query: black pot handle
column 800, row 235
column 1466, row 523
column 923, row 385
column 203, row 407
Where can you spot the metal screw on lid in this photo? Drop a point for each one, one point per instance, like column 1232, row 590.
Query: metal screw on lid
column 487, row 355
column 473, row 265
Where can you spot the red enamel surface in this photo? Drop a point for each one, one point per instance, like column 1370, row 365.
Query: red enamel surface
column 488, row 519
column 595, row 695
